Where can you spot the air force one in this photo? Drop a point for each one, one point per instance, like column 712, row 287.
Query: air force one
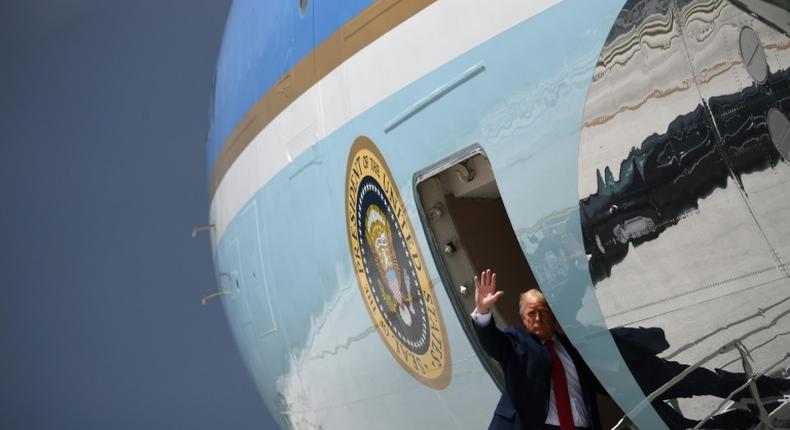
column 629, row 158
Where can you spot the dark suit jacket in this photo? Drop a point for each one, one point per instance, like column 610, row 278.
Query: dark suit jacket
column 526, row 363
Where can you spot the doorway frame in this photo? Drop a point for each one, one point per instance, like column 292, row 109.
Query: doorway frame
column 450, row 288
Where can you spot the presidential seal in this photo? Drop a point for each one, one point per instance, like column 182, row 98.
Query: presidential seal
column 392, row 277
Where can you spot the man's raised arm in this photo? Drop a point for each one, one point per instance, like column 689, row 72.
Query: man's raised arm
column 495, row 343
column 486, row 294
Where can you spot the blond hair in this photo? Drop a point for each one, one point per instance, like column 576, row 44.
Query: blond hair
column 533, row 294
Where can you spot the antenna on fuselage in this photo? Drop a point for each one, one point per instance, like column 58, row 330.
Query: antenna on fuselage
column 220, row 292
column 200, row 228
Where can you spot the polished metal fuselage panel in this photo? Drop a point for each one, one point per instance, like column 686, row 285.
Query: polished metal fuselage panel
column 685, row 202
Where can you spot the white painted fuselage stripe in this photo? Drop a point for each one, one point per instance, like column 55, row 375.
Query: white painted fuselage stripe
column 421, row 44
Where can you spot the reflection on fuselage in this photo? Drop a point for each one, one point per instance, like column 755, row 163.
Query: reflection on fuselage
column 683, row 208
column 661, row 182
column 684, row 219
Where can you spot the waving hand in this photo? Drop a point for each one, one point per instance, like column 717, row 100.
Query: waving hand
column 486, row 294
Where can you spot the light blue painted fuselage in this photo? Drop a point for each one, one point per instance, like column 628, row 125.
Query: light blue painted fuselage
column 296, row 310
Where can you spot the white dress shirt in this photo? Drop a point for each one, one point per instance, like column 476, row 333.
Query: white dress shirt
column 580, row 418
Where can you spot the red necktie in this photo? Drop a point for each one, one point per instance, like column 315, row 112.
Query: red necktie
column 561, row 396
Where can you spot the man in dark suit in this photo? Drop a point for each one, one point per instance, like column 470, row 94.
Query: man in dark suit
column 547, row 384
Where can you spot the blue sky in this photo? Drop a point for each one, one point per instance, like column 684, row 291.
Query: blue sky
column 104, row 120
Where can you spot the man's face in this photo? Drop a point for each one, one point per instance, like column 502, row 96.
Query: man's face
column 538, row 319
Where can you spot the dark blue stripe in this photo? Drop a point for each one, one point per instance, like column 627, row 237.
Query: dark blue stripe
column 263, row 40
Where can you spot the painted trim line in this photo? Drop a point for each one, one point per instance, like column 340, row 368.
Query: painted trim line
column 373, row 22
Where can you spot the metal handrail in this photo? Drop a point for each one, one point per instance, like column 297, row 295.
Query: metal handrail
column 750, row 382
column 764, row 417
column 672, row 382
